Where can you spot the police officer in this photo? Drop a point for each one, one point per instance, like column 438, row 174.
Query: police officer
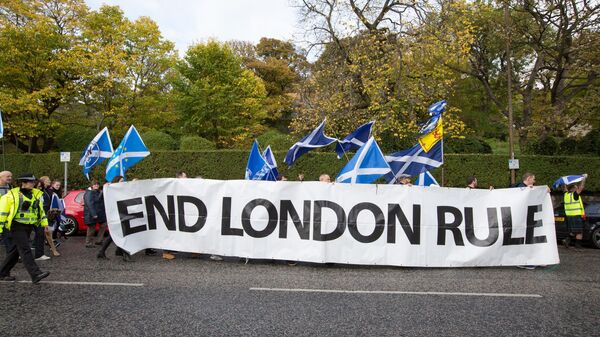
column 21, row 209
column 575, row 213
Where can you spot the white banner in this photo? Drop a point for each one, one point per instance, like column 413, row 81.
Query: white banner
column 342, row 223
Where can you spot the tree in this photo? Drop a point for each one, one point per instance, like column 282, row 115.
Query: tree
column 37, row 67
column 379, row 65
column 216, row 98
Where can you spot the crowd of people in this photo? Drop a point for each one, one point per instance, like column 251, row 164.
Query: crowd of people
column 29, row 208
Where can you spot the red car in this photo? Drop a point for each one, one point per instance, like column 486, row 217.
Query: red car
column 74, row 213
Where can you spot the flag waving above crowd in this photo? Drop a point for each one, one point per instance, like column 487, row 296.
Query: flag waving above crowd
column 258, row 168
column 354, row 140
column 367, row 165
column 131, row 150
column 99, row 149
column 314, row 140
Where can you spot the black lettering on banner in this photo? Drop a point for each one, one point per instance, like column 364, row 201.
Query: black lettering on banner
column 247, row 212
column 201, row 220
column 452, row 227
column 126, row 217
column 353, row 226
column 507, row 226
column 341, row 220
column 168, row 217
column 226, row 220
column 493, row 232
column 302, row 227
column 413, row 234
column 532, row 224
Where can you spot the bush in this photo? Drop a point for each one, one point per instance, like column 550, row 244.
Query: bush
column 546, row 146
column 277, row 140
column 229, row 164
column 75, row 138
column 158, row 140
column 466, row 145
column 195, row 143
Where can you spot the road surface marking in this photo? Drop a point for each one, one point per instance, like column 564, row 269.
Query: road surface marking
column 394, row 292
column 84, row 283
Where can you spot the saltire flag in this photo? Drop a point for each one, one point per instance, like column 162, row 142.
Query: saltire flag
column 315, row 139
column 426, row 179
column 57, row 203
column 367, row 165
column 1, row 126
column 257, row 167
column 129, row 152
column 568, row 180
column 435, row 111
column 270, row 158
column 354, row 140
column 99, row 149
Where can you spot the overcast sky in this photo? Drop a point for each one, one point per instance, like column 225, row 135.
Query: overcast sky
column 189, row 21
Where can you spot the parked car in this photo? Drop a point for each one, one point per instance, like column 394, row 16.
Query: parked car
column 591, row 231
column 74, row 222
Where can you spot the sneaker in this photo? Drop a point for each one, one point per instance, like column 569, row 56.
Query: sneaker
column 43, row 258
column 7, row 278
column 37, row 278
column 57, row 243
column 216, row 258
column 150, row 252
column 168, row 256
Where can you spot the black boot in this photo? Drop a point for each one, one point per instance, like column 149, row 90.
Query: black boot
column 566, row 241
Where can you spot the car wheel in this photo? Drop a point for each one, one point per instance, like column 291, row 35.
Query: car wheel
column 595, row 238
column 70, row 225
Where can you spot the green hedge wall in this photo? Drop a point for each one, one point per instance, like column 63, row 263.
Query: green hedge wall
column 230, row 164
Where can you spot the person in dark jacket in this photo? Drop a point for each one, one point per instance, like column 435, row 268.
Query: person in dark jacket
column 94, row 213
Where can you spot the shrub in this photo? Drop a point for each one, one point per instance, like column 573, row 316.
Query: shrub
column 277, row 140
column 158, row 140
column 195, row 143
column 466, row 145
column 75, row 138
column 546, row 146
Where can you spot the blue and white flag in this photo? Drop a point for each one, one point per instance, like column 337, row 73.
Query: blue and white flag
column 270, row 158
column 354, row 140
column 568, row 180
column 257, row 167
column 435, row 111
column 96, row 152
column 131, row 150
column 1, row 126
column 426, row 179
column 414, row 161
column 314, row 140
column 366, row 166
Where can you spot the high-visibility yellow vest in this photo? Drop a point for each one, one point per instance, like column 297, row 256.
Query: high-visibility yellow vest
column 573, row 207
column 14, row 206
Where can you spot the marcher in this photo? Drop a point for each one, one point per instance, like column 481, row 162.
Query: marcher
column 403, row 179
column 325, row 178
column 5, row 181
column 575, row 213
column 119, row 252
column 45, row 234
column 21, row 209
column 93, row 214
column 472, row 183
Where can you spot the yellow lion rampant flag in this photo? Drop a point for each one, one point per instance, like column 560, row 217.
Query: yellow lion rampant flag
column 430, row 139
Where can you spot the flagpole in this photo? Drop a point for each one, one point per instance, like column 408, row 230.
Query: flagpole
column 3, row 156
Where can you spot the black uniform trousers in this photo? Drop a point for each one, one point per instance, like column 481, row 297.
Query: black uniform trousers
column 20, row 246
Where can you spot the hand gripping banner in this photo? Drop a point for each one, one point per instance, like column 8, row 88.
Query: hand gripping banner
column 393, row 225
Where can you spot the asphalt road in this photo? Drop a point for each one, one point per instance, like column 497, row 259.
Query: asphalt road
column 192, row 296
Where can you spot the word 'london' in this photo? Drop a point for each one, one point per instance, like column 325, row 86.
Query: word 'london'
column 175, row 221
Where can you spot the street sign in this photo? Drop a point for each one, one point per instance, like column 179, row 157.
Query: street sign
column 65, row 157
column 513, row 164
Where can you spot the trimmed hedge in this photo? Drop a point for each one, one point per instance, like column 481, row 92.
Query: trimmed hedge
column 230, row 164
